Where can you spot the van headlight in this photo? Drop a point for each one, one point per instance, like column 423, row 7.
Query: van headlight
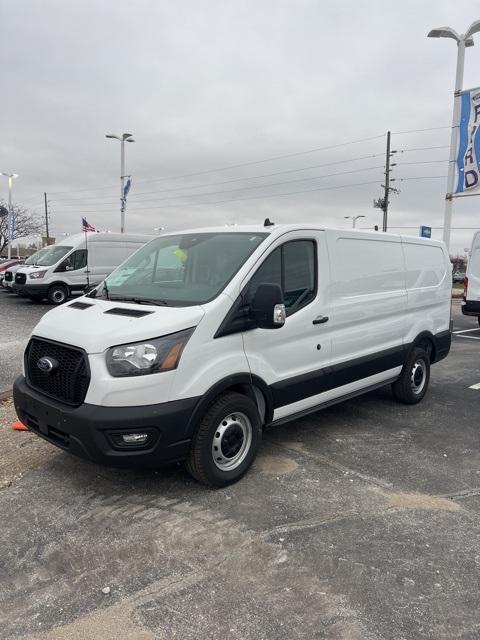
column 149, row 356
column 37, row 274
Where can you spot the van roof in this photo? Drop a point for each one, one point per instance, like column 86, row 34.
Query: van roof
column 79, row 238
column 280, row 229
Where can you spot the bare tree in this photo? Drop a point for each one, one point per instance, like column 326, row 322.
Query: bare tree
column 26, row 224
column 459, row 262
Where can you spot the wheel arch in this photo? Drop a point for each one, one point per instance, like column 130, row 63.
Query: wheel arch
column 428, row 342
column 245, row 383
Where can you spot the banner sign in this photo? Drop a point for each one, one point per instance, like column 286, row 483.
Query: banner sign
column 468, row 157
column 425, row 232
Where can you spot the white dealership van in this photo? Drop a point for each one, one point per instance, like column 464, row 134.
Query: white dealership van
column 203, row 338
column 75, row 263
column 9, row 277
column 471, row 293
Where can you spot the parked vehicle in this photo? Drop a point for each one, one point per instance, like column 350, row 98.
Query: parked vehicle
column 9, row 275
column 459, row 277
column 204, row 338
column 73, row 264
column 6, row 264
column 471, row 285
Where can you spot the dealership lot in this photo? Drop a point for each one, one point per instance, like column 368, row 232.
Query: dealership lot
column 358, row 522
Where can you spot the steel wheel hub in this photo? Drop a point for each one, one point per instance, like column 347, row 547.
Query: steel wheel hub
column 418, row 376
column 231, row 441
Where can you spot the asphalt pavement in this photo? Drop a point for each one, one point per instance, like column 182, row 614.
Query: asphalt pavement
column 360, row 522
column 18, row 316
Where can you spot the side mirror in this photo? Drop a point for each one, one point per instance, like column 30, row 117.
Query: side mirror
column 268, row 308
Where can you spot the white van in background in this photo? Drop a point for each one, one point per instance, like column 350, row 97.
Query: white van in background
column 471, row 292
column 204, row 338
column 70, row 266
column 9, row 277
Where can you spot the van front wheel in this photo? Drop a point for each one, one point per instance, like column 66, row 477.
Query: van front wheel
column 226, row 441
column 412, row 385
column 57, row 294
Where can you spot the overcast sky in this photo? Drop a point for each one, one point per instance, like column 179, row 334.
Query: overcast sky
column 208, row 84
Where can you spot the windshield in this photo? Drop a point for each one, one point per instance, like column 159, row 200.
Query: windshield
column 35, row 256
column 52, row 255
column 182, row 270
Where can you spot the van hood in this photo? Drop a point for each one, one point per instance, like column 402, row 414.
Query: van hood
column 104, row 324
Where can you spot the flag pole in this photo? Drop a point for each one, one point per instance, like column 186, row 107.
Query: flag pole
column 86, row 253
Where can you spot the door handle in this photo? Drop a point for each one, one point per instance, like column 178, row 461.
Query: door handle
column 320, row 320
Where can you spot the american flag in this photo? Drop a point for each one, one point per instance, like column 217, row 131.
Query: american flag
column 86, row 226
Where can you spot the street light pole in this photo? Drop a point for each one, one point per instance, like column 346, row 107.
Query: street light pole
column 124, row 137
column 463, row 41
column 10, row 223
column 354, row 220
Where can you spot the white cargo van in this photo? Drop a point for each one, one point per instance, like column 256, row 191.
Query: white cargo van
column 471, row 293
column 9, row 278
column 203, row 338
column 75, row 263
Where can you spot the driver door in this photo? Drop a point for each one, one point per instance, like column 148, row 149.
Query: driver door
column 293, row 359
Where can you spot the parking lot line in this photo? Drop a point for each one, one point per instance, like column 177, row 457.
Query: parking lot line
column 466, row 331
column 475, row 386
column 470, row 337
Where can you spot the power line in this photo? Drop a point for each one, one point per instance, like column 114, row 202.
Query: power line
column 289, row 193
column 241, row 179
column 420, row 178
column 236, row 166
column 422, row 148
column 401, row 164
column 399, row 133
column 261, row 186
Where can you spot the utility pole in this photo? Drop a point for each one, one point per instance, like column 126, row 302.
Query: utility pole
column 46, row 218
column 387, row 183
column 382, row 203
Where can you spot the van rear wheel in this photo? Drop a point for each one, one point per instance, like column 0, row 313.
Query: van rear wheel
column 226, row 441
column 57, row 294
column 412, row 385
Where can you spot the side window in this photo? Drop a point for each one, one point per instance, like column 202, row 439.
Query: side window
column 80, row 259
column 76, row 260
column 298, row 274
column 292, row 266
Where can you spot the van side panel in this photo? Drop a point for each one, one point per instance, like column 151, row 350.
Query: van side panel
column 473, row 271
column 368, row 297
column 429, row 287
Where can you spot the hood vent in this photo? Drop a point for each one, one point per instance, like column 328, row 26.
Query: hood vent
column 80, row 305
column 125, row 311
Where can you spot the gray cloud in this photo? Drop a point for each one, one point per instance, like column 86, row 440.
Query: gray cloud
column 204, row 85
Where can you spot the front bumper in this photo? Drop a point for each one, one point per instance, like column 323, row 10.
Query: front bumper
column 91, row 431
column 471, row 308
column 32, row 290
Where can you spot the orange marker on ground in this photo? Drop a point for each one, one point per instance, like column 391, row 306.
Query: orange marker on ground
column 19, row 426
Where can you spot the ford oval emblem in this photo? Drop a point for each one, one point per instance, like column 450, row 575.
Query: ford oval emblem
column 47, row 365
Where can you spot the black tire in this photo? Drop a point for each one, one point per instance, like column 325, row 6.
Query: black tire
column 57, row 294
column 412, row 384
column 232, row 420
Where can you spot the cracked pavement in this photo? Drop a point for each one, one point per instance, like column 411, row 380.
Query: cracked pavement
column 360, row 522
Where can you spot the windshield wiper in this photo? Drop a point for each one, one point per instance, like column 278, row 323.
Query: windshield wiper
column 158, row 303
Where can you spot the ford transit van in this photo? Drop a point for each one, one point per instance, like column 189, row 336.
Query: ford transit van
column 9, row 277
column 72, row 265
column 471, row 292
column 204, row 338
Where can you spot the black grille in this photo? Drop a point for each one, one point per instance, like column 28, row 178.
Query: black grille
column 20, row 278
column 8, row 276
column 69, row 379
